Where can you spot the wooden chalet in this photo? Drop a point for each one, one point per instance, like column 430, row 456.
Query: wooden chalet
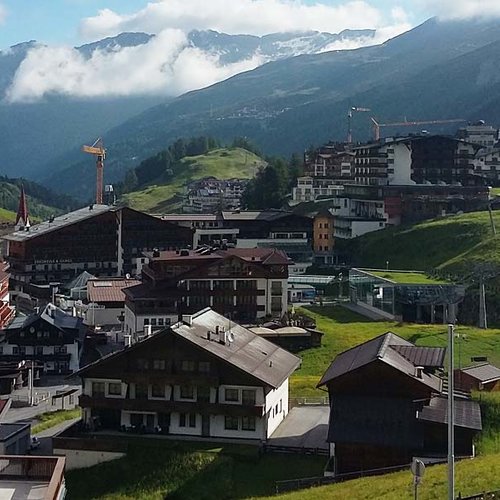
column 204, row 376
column 388, row 406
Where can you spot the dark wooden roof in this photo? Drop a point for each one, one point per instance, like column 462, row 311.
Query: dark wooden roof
column 484, row 372
column 428, row 357
column 247, row 352
column 380, row 348
column 467, row 413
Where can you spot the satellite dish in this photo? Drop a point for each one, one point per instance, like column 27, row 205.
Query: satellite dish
column 230, row 336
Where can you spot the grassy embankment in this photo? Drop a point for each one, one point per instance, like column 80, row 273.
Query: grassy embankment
column 472, row 476
column 158, row 469
column 344, row 329
column 451, row 244
column 53, row 418
column 223, row 163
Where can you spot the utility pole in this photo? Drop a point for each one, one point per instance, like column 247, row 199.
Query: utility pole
column 492, row 222
column 483, row 320
column 451, row 411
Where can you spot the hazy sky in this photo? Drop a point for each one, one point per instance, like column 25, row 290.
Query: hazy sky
column 77, row 21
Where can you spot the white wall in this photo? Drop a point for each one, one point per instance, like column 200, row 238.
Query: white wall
column 79, row 459
column 401, row 165
column 362, row 227
column 275, row 397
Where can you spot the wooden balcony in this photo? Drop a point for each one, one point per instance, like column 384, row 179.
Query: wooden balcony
column 166, row 406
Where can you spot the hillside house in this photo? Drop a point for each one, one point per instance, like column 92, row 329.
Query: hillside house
column 51, row 338
column 478, row 377
column 204, row 376
column 388, row 406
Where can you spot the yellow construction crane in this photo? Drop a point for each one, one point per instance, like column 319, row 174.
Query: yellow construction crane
column 97, row 149
column 353, row 109
column 377, row 126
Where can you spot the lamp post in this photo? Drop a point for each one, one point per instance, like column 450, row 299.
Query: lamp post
column 451, row 411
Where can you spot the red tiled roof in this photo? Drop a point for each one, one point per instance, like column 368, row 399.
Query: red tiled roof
column 109, row 290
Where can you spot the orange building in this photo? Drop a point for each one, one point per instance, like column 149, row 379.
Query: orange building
column 323, row 232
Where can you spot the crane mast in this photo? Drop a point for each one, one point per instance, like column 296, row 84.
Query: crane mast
column 97, row 149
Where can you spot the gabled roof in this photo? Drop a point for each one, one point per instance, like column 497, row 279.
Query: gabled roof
column 247, row 352
column 467, row 413
column 382, row 349
column 484, row 372
column 59, row 222
column 52, row 315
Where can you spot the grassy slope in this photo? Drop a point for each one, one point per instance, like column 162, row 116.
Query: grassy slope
column 472, row 476
column 7, row 215
column 344, row 329
column 53, row 418
column 452, row 243
column 220, row 163
column 158, row 469
column 407, row 277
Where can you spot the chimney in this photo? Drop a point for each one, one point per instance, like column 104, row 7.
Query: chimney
column 128, row 340
column 188, row 319
column 148, row 330
column 419, row 370
column 222, row 335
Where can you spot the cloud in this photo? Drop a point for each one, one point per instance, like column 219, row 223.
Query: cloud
column 165, row 65
column 256, row 17
column 464, row 9
column 168, row 64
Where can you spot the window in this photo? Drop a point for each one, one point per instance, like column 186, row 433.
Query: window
column 248, row 423
column 141, row 391
column 188, row 366
column 276, row 409
column 232, row 395
column 192, row 420
column 98, row 389
column 146, row 321
column 39, row 350
column 142, row 364
column 231, row 423
column 159, row 364
column 153, row 321
column 186, row 419
column 187, row 392
column 115, row 388
column 204, row 366
column 248, row 397
column 46, row 335
column 60, row 349
column 158, row 391
column 326, row 225
column 161, row 321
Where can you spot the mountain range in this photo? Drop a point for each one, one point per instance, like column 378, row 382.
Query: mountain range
column 438, row 70
column 34, row 135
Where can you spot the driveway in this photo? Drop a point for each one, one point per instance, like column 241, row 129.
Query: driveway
column 303, row 427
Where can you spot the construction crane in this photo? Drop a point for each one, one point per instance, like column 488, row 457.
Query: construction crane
column 353, row 109
column 97, row 149
column 377, row 126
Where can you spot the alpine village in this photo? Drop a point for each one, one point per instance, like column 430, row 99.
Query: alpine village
column 238, row 295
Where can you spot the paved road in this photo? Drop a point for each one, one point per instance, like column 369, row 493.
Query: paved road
column 304, row 427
